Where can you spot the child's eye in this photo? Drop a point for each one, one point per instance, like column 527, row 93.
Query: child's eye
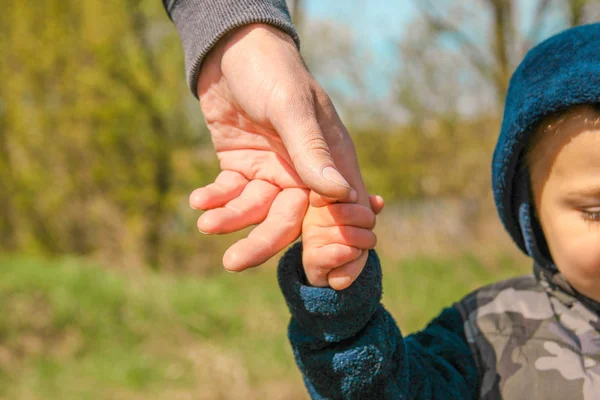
column 593, row 216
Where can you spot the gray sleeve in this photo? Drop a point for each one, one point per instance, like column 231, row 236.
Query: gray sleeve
column 201, row 23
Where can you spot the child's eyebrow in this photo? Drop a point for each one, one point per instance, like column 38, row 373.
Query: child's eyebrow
column 583, row 193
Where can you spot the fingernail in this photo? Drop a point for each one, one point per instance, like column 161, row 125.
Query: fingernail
column 205, row 233
column 232, row 271
column 193, row 199
column 332, row 175
column 353, row 196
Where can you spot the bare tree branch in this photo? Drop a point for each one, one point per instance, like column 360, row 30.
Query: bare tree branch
column 442, row 26
column 476, row 57
column 577, row 10
column 501, row 15
column 536, row 26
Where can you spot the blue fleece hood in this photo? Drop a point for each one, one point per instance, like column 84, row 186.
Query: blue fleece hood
column 558, row 73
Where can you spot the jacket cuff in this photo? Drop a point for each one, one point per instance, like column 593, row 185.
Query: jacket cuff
column 201, row 23
column 325, row 313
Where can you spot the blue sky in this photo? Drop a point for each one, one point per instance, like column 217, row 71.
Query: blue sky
column 378, row 21
column 377, row 27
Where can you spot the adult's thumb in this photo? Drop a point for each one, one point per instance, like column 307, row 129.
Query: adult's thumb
column 317, row 200
column 318, row 171
column 311, row 155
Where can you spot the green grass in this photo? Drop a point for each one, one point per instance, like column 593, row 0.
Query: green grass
column 416, row 290
column 72, row 330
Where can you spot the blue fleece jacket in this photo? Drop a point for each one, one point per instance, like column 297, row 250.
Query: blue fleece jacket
column 348, row 346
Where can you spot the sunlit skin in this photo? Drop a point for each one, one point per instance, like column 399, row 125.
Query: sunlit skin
column 333, row 238
column 274, row 130
column 565, row 172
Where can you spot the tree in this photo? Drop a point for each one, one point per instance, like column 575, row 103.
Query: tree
column 97, row 154
column 505, row 40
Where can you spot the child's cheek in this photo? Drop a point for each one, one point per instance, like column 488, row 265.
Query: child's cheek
column 579, row 256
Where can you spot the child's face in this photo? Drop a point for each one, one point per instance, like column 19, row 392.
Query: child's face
column 565, row 175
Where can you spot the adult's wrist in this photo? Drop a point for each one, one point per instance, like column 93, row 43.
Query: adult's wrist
column 253, row 38
column 261, row 28
column 202, row 23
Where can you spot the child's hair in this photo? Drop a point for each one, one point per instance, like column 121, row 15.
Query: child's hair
column 587, row 117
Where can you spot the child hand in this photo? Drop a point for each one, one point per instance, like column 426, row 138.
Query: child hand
column 335, row 240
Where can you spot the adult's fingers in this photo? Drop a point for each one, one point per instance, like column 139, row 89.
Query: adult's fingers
column 250, row 208
column 265, row 165
column 319, row 261
column 282, row 226
column 293, row 114
column 340, row 145
column 342, row 277
column 227, row 186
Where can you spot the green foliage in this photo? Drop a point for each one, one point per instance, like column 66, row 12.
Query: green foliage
column 97, row 145
column 73, row 330
column 101, row 143
column 437, row 157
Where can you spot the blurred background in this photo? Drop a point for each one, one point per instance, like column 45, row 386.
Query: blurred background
column 108, row 291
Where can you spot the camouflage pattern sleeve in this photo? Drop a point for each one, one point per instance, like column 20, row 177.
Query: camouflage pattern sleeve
column 533, row 339
column 348, row 346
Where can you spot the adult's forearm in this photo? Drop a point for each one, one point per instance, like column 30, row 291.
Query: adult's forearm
column 201, row 23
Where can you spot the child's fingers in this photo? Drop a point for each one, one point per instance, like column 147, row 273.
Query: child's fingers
column 330, row 256
column 317, row 277
column 317, row 200
column 377, row 203
column 342, row 277
column 361, row 238
column 319, row 261
column 338, row 214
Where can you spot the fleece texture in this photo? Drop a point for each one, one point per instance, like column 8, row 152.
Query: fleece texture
column 560, row 72
column 349, row 347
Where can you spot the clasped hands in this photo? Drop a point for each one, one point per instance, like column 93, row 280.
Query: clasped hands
column 288, row 163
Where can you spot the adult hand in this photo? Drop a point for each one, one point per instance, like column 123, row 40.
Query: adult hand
column 277, row 135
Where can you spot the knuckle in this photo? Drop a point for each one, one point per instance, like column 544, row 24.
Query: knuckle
column 284, row 95
column 315, row 278
column 315, row 269
column 341, row 254
column 372, row 240
column 372, row 220
column 321, row 97
column 296, row 98
column 314, row 141
column 313, row 144
column 321, row 271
